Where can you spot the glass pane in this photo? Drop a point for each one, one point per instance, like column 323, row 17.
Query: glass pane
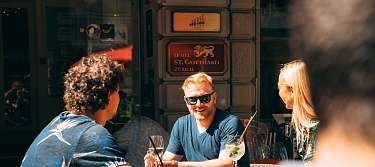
column 76, row 28
column 16, row 70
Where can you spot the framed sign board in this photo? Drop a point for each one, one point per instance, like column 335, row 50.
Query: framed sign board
column 189, row 21
column 205, row 3
column 195, row 22
column 188, row 57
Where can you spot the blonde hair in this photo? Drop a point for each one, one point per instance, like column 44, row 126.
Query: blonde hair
column 294, row 74
column 198, row 78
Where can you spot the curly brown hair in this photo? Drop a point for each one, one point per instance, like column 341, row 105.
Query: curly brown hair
column 89, row 82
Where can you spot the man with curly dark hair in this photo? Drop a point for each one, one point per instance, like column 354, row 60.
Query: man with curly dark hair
column 77, row 137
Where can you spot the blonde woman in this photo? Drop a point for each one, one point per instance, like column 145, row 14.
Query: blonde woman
column 294, row 90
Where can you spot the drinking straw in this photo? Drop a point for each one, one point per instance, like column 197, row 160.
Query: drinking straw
column 153, row 145
column 248, row 123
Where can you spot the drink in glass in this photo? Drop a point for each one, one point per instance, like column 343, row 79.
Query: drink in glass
column 158, row 143
column 159, row 150
column 235, row 147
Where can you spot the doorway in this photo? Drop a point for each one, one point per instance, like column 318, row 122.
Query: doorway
column 18, row 116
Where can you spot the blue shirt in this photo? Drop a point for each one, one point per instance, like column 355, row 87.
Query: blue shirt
column 186, row 140
column 73, row 140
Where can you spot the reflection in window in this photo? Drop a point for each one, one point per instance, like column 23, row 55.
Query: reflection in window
column 16, row 67
column 77, row 28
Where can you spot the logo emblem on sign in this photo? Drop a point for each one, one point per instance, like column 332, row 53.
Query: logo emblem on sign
column 204, row 51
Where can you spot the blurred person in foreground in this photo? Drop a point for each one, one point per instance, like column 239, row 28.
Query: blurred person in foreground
column 200, row 136
column 338, row 40
column 77, row 137
column 294, row 90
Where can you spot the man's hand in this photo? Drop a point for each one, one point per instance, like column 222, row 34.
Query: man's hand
column 171, row 163
column 151, row 161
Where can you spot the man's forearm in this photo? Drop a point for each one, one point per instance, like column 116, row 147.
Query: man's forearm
column 171, row 156
column 221, row 162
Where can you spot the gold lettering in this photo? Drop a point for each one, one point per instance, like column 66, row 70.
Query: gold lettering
column 178, row 62
column 181, row 54
column 183, row 69
column 201, row 62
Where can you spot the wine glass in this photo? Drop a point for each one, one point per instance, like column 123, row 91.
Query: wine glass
column 159, row 145
column 235, row 147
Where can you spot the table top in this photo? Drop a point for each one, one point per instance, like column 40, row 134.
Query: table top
column 264, row 165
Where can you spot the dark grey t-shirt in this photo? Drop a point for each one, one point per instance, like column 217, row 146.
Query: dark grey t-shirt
column 185, row 139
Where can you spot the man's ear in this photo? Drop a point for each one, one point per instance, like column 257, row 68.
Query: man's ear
column 109, row 99
column 214, row 97
column 109, row 95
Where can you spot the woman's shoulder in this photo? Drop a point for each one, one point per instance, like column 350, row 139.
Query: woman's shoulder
column 314, row 126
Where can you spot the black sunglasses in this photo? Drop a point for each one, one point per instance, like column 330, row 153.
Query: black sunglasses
column 203, row 99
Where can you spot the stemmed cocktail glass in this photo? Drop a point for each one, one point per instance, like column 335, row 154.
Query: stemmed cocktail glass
column 235, row 147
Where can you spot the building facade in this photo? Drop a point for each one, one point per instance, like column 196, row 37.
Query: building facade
column 171, row 39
